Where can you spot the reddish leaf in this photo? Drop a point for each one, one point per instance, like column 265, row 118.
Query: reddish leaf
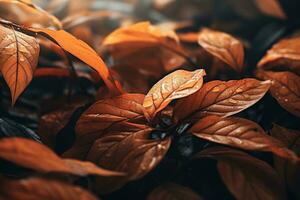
column 240, row 133
column 33, row 155
column 128, row 151
column 221, row 98
column 27, row 14
column 285, row 89
column 271, row 7
column 18, row 59
column 176, row 85
column 82, row 51
column 246, row 177
column 284, row 54
column 37, row 189
column 104, row 116
column 223, row 46
column 172, row 191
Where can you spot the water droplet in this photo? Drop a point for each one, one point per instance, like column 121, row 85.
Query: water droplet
column 239, row 90
column 286, row 100
column 216, row 89
column 233, row 101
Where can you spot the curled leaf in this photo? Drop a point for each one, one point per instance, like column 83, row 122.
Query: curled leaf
column 223, row 98
column 236, row 169
column 176, row 85
column 172, row 191
column 18, row 59
column 223, row 46
column 285, row 89
column 240, row 133
column 37, row 189
column 284, row 54
column 33, row 155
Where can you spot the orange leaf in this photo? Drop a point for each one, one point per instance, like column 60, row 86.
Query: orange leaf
column 240, row 133
column 271, row 7
column 18, row 59
column 223, row 98
column 33, row 155
column 82, row 51
column 223, row 46
column 285, row 89
column 38, row 188
column 176, row 85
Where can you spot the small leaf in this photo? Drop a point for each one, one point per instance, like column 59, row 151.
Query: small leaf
column 223, row 98
column 176, row 85
column 104, row 116
column 82, row 51
column 172, row 191
column 18, row 59
column 240, row 133
column 246, row 177
column 128, row 151
column 271, row 7
column 285, row 89
column 37, row 189
column 284, row 54
column 38, row 157
column 223, row 46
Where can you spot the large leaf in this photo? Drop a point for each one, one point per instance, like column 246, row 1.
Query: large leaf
column 285, row 89
column 18, row 59
column 284, row 54
column 176, row 85
column 246, row 177
column 104, row 116
column 37, row 189
column 128, row 151
column 240, row 133
column 172, row 191
column 223, row 46
column 82, row 51
column 221, row 98
column 27, row 14
column 33, row 155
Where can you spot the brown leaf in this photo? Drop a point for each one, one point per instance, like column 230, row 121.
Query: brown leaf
column 18, row 59
column 223, row 46
column 288, row 170
column 284, row 54
column 128, row 151
column 240, row 133
column 176, row 85
column 27, row 14
column 223, row 98
column 82, row 51
column 38, row 189
column 285, row 89
column 246, row 177
column 33, row 155
column 271, row 7
column 104, row 116
column 172, row 191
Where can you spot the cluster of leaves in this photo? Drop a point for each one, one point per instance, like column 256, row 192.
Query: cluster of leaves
column 140, row 110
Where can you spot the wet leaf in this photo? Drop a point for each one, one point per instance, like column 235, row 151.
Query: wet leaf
column 18, row 59
column 176, row 85
column 223, row 98
column 285, row 89
column 37, row 189
column 223, row 46
column 103, row 117
column 33, row 155
column 271, row 7
column 127, row 151
column 240, row 133
column 237, row 170
column 284, row 54
column 172, row 191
